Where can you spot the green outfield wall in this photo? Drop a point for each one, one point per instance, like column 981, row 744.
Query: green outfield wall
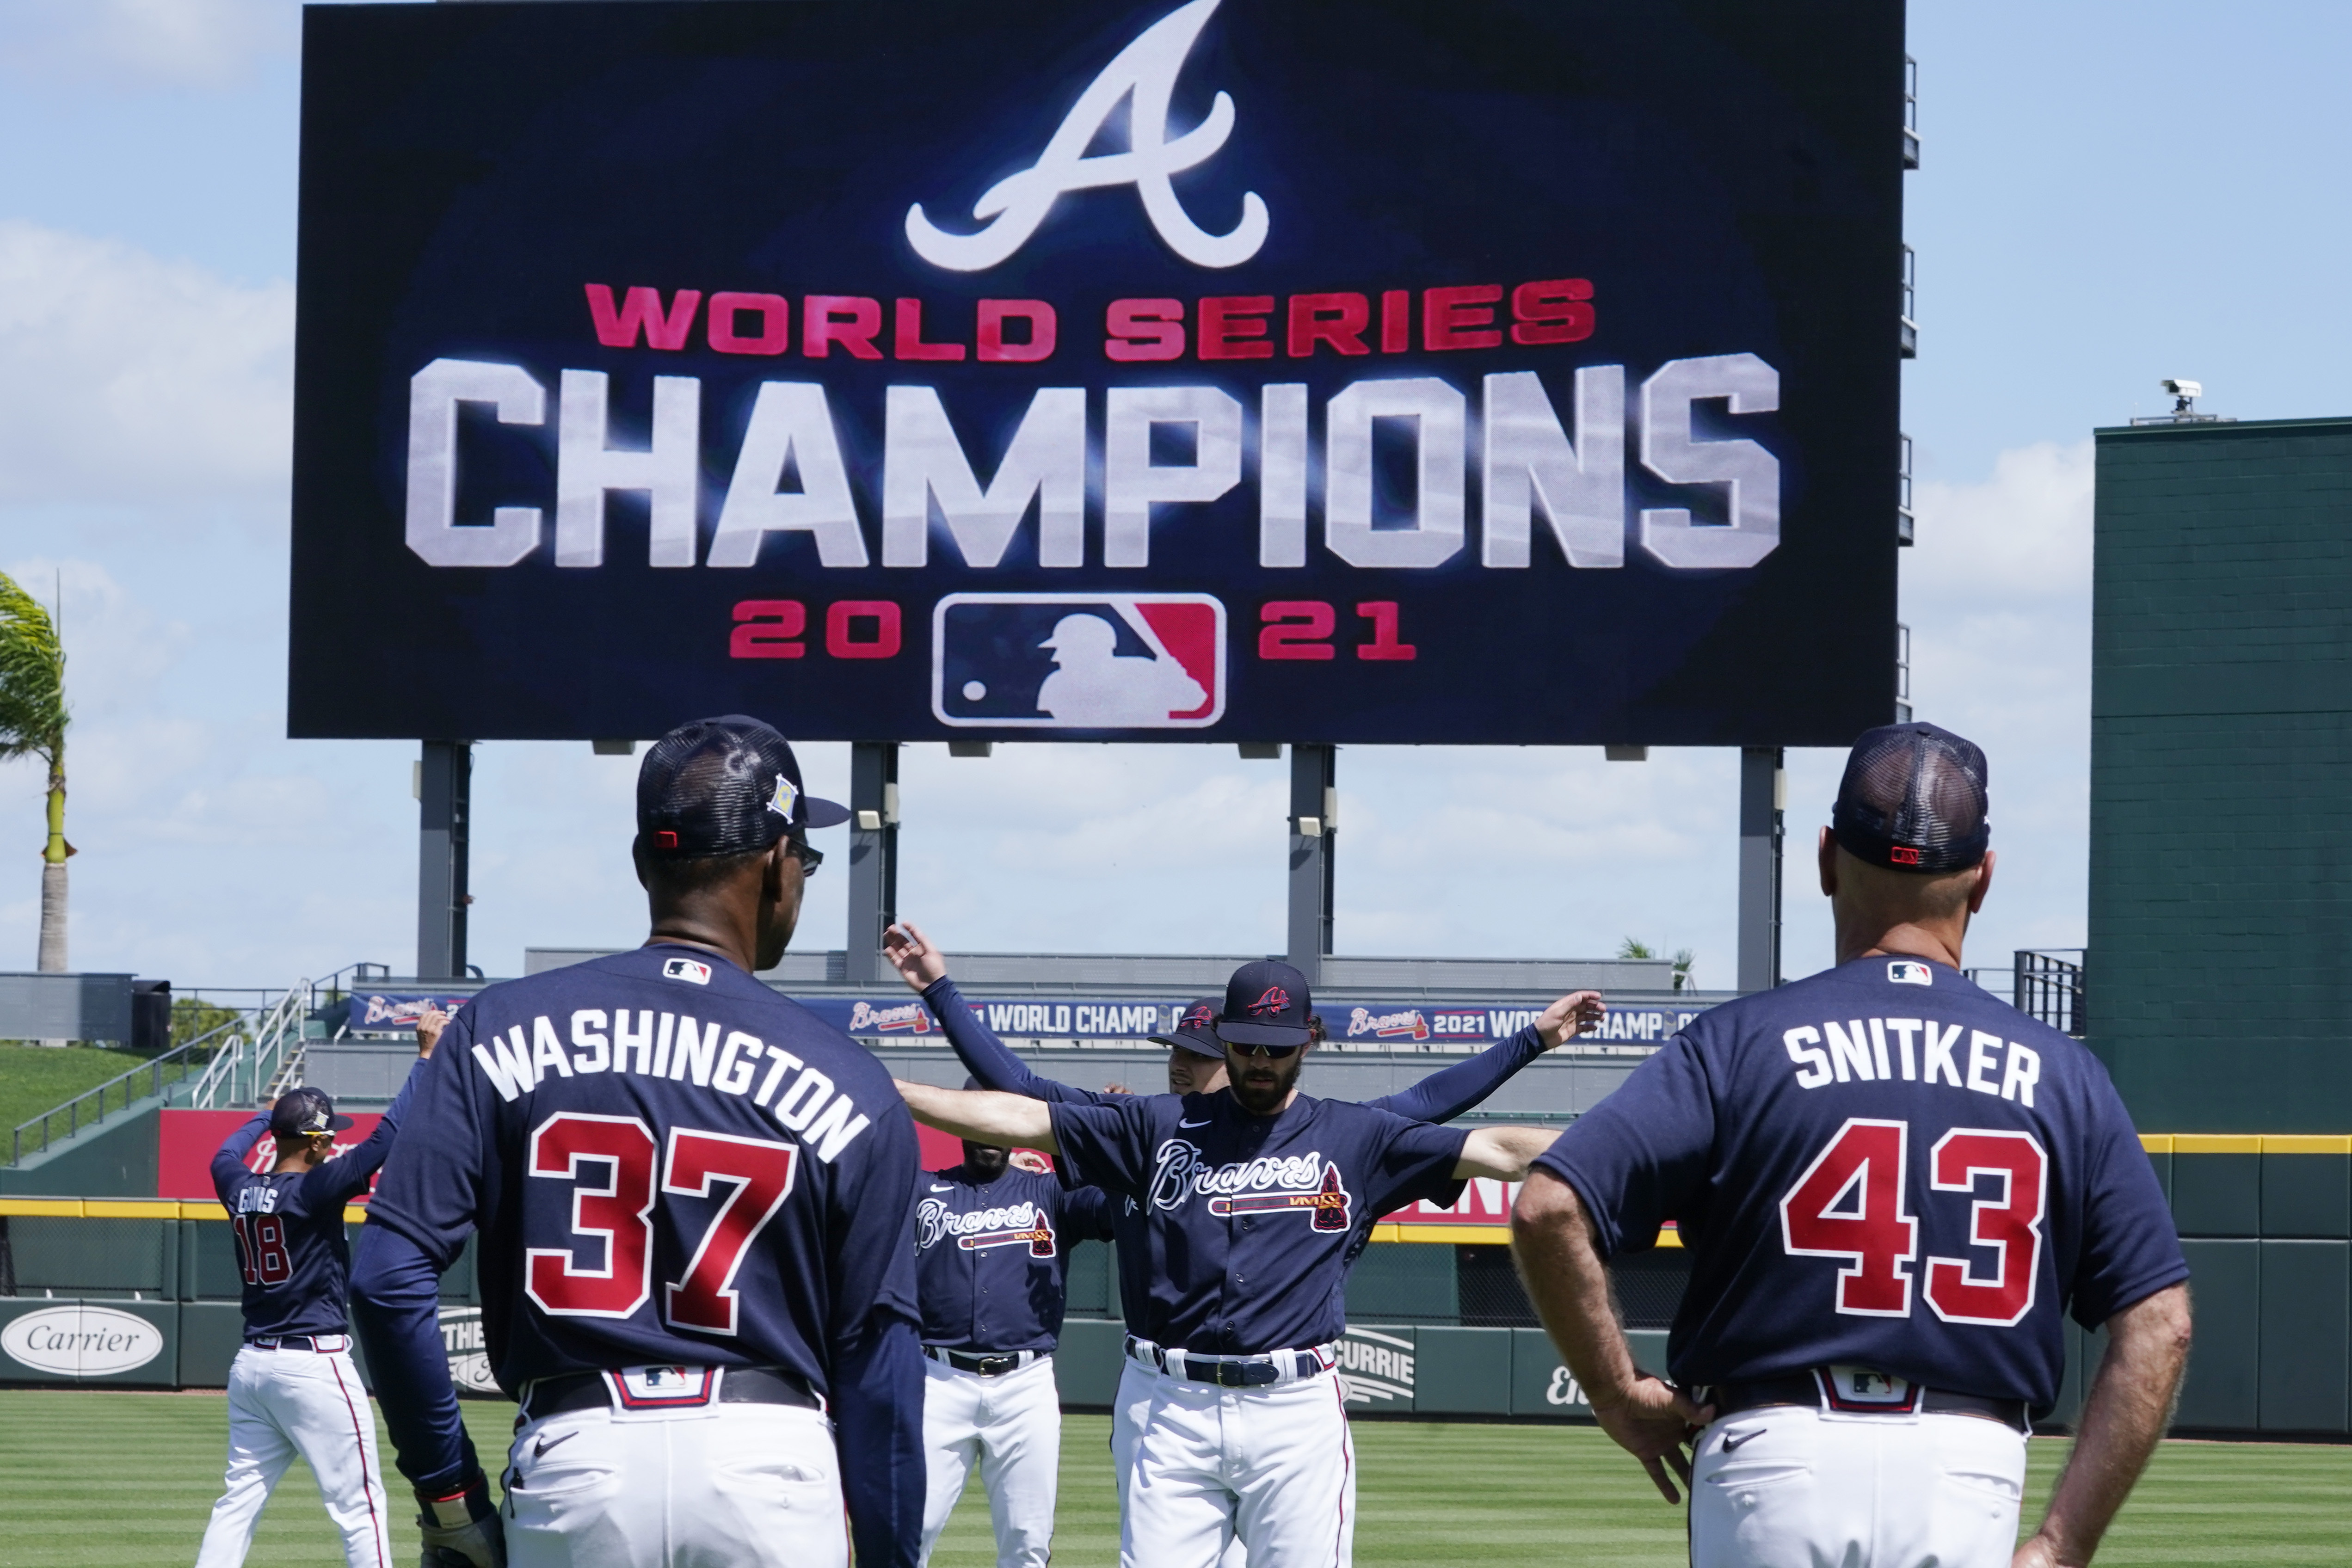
column 2219, row 976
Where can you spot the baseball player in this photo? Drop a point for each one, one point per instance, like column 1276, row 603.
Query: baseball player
column 1254, row 1200
column 991, row 1246
column 697, row 1204
column 1891, row 1184
column 1196, row 1065
column 292, row 1388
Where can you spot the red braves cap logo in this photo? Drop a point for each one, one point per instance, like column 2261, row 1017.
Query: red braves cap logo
column 1200, row 1017
column 1903, row 855
column 1276, row 1000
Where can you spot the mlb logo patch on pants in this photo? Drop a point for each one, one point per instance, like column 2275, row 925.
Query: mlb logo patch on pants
column 1078, row 661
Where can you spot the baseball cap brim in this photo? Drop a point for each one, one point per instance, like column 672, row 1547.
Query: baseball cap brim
column 1190, row 1042
column 822, row 814
column 340, row 1123
column 1262, row 1033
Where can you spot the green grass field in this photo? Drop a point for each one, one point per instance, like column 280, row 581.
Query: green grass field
column 128, row 1478
column 35, row 1078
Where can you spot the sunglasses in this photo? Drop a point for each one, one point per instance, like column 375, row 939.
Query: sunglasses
column 808, row 854
column 1276, row 1052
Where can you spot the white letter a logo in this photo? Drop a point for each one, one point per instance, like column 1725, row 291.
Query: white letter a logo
column 1147, row 69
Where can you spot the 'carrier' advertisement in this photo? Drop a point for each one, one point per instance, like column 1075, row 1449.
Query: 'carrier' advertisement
column 1237, row 369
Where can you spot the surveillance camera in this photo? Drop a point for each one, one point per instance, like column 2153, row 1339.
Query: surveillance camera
column 2183, row 389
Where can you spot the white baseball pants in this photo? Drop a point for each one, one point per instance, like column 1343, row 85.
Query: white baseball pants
column 1011, row 1427
column 286, row 1402
column 1272, row 1469
column 717, row 1486
column 1788, row 1487
column 1126, row 1423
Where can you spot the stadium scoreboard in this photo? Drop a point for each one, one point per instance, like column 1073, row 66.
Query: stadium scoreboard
column 1239, row 369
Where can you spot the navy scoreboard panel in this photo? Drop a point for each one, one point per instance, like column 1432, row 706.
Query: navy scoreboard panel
column 1385, row 370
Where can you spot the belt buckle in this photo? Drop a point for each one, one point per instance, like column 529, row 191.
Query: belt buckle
column 1866, row 1390
column 663, row 1387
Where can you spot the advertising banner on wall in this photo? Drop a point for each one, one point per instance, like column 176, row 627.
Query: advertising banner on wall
column 1352, row 1025
column 1492, row 370
column 185, row 1142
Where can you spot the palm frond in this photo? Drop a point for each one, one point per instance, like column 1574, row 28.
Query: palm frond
column 33, row 715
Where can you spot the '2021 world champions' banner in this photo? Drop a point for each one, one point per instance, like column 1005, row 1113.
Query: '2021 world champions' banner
column 1491, row 371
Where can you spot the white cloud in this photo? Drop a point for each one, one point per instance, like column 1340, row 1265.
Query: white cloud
column 131, row 378
column 146, row 43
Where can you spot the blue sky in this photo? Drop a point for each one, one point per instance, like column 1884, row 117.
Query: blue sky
column 2111, row 193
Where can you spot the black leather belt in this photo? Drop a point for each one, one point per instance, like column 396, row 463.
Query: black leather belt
column 737, row 1385
column 1806, row 1388
column 996, row 1366
column 1230, row 1370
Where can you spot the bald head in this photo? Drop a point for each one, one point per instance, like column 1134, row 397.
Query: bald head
column 1878, row 909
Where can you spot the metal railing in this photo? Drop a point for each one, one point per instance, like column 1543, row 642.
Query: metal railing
column 1901, row 674
column 1910, row 319
column 147, row 1080
column 1906, row 521
column 2049, row 987
column 253, row 1065
column 1910, row 112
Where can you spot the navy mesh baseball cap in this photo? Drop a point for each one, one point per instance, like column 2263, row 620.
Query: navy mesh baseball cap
column 1266, row 1004
column 303, row 1111
column 1913, row 797
column 1195, row 1030
column 723, row 786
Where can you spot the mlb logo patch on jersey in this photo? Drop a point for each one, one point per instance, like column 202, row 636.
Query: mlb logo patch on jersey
column 1078, row 660
column 692, row 970
column 1903, row 972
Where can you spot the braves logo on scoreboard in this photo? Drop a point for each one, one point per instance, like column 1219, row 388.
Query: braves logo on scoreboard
column 1074, row 661
column 1161, row 372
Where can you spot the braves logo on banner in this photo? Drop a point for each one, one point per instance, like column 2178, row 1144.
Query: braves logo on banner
column 1300, row 371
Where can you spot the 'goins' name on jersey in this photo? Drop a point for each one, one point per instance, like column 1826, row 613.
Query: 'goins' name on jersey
column 668, row 1162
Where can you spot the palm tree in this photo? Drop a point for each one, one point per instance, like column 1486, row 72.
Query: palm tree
column 33, row 721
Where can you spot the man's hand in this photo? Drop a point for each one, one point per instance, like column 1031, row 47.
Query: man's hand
column 1569, row 1017
column 1655, row 1422
column 919, row 964
column 462, row 1530
column 429, row 1025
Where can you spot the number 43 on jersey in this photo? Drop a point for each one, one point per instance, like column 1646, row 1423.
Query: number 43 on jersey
column 1849, row 1205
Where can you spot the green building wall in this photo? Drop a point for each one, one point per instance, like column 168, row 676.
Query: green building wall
column 2219, row 982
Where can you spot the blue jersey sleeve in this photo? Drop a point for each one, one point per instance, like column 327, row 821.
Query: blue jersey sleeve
column 395, row 1306
column 1416, row 1161
column 876, row 1354
column 1107, row 1146
column 1087, row 1214
column 228, row 1163
column 2131, row 1249
column 1639, row 1157
column 989, row 1059
column 347, row 1176
column 431, row 1190
column 1442, row 1096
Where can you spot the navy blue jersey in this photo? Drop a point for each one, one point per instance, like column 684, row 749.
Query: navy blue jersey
column 289, row 1227
column 992, row 1258
column 1440, row 1097
column 1247, row 1224
column 668, row 1163
column 1883, row 1165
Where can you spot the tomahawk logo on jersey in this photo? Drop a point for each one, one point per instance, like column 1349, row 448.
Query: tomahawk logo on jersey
column 1254, row 1218
column 994, row 1256
column 669, row 1164
column 1882, row 1165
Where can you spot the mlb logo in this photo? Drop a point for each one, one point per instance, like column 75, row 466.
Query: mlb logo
column 687, row 969
column 1903, row 972
column 1078, row 660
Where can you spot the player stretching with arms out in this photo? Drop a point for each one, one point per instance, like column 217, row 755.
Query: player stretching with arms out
column 992, row 1248
column 696, row 1203
column 1891, row 1185
column 1196, row 1065
column 293, row 1388
column 1256, row 1200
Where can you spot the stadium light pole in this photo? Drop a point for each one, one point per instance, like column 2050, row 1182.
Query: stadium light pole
column 445, row 788
column 1313, row 808
column 1763, row 797
column 873, row 856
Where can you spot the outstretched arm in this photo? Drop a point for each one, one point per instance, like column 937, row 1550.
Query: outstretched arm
column 978, row 1117
column 2130, row 1405
column 1442, row 1096
column 988, row 1059
column 1551, row 1241
column 1503, row 1153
